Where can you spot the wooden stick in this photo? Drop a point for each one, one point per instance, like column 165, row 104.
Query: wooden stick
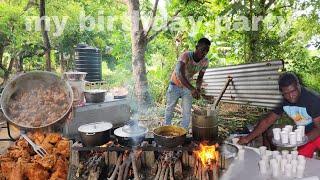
column 158, row 171
column 127, row 167
column 154, row 168
column 115, row 171
column 121, row 171
column 110, row 169
column 134, row 167
column 171, row 172
column 163, row 170
column 199, row 173
column 178, row 170
column 166, row 173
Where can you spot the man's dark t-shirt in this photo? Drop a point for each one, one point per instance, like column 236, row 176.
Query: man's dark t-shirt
column 304, row 111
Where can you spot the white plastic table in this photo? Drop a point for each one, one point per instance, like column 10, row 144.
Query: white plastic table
column 248, row 169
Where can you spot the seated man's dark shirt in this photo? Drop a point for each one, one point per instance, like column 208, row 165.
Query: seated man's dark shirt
column 304, row 111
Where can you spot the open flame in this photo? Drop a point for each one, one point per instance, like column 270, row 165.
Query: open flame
column 209, row 155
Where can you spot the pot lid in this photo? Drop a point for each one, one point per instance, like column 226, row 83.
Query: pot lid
column 130, row 130
column 95, row 127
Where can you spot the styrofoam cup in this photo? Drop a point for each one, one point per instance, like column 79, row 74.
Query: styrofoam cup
column 263, row 167
column 289, row 127
column 292, row 138
column 276, row 133
column 288, row 169
column 300, row 170
column 294, row 154
column 262, row 150
column 284, row 137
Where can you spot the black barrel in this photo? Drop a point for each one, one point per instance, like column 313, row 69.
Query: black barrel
column 88, row 59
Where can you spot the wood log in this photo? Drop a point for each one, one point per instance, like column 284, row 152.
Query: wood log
column 171, row 177
column 166, row 173
column 204, row 173
column 115, row 171
column 178, row 170
column 127, row 167
column 149, row 158
column 121, row 171
column 185, row 158
column 106, row 157
column 110, row 169
column 199, row 173
column 154, row 168
column 134, row 166
column 94, row 174
column 191, row 159
column 195, row 169
column 158, row 171
column 215, row 172
column 75, row 158
column 163, row 170
column 112, row 157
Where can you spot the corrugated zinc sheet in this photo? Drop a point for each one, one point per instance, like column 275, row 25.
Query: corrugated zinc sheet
column 253, row 84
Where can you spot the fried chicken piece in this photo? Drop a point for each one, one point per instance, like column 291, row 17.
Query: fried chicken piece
column 47, row 161
column 52, row 138
column 6, row 168
column 16, row 153
column 16, row 172
column 37, row 137
column 59, row 174
column 48, row 147
column 63, row 148
column 22, row 143
column 34, row 171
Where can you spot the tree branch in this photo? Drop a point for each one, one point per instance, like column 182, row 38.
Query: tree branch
column 164, row 27
column 154, row 12
column 269, row 4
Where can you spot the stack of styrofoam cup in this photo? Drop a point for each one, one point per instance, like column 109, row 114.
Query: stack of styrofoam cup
column 275, row 167
column 276, row 133
column 288, row 164
column 286, row 135
column 263, row 166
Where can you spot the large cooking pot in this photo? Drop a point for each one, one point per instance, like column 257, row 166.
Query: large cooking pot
column 169, row 136
column 95, row 134
column 95, row 95
column 205, row 128
column 131, row 134
column 27, row 82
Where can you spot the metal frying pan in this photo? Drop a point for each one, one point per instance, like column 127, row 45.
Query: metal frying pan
column 28, row 81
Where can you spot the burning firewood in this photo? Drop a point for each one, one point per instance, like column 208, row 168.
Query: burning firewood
column 163, row 170
column 127, row 167
column 154, row 168
column 178, row 170
column 171, row 172
column 158, row 170
column 115, row 171
column 135, row 166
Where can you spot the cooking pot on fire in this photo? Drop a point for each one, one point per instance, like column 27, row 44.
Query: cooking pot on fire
column 131, row 134
column 205, row 128
column 95, row 134
column 169, row 136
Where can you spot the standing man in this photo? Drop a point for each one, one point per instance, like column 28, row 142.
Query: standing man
column 302, row 106
column 189, row 63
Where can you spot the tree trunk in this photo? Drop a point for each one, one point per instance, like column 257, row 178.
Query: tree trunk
column 63, row 63
column 139, row 43
column 45, row 35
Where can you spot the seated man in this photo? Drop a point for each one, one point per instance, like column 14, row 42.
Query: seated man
column 302, row 106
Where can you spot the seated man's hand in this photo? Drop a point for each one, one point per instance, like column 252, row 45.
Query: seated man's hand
column 243, row 140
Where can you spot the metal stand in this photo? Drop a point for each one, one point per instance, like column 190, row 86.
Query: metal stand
column 8, row 130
